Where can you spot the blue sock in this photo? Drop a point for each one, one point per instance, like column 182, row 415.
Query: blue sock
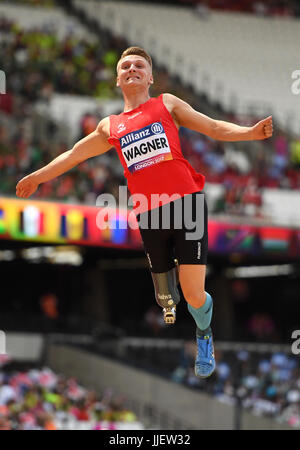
column 202, row 315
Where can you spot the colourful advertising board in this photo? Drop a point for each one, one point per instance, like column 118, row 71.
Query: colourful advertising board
column 227, row 238
column 58, row 223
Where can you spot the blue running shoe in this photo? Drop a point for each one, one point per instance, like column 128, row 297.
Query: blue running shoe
column 205, row 360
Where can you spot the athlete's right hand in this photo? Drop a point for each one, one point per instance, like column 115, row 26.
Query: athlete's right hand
column 26, row 187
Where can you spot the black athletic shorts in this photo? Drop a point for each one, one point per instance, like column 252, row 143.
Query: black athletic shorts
column 177, row 230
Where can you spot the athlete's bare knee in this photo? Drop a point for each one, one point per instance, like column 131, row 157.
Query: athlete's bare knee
column 195, row 298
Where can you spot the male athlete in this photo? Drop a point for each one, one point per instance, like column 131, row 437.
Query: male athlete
column 146, row 138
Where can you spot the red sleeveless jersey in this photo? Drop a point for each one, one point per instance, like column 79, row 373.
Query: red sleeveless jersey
column 147, row 141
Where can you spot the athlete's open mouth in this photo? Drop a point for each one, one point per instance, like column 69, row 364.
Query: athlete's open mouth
column 133, row 77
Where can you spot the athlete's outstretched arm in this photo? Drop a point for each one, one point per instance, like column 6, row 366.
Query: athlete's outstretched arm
column 94, row 144
column 188, row 117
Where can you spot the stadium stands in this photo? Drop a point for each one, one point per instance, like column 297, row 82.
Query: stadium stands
column 61, row 81
column 210, row 53
column 54, row 20
column 265, row 377
column 39, row 399
column 57, row 106
column 61, row 109
column 282, row 8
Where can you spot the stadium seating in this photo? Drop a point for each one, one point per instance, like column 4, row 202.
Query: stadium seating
column 64, row 99
column 266, row 376
column 210, row 53
column 39, row 399
column 53, row 19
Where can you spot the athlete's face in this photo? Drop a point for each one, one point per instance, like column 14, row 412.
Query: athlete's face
column 134, row 70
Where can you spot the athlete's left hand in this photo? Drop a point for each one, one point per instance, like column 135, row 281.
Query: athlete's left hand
column 263, row 129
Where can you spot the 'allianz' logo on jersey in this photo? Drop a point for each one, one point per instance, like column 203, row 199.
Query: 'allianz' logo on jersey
column 149, row 130
column 145, row 147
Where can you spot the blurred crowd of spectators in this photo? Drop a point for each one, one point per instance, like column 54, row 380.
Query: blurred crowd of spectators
column 222, row 163
column 39, row 399
column 19, row 156
column 244, row 177
column 37, row 64
column 81, row 68
column 266, row 384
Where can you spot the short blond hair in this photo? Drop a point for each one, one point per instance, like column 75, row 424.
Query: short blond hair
column 136, row 51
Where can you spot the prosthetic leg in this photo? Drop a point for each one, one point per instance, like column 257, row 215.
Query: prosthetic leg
column 166, row 293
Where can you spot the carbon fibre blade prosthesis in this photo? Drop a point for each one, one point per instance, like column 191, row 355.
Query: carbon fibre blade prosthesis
column 166, row 293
